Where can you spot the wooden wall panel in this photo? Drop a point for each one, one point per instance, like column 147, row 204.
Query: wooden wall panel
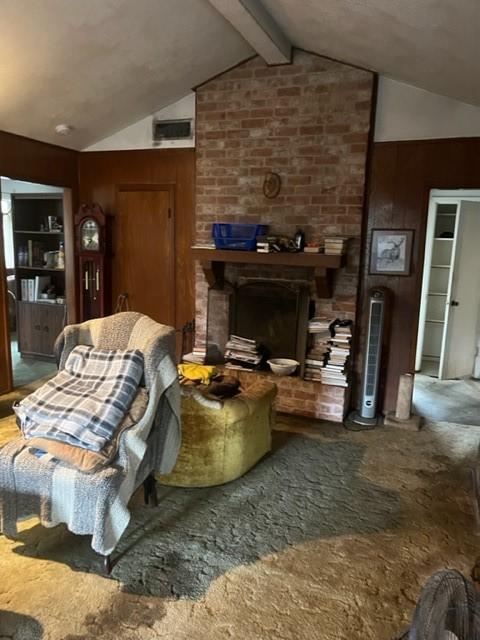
column 100, row 174
column 401, row 177
column 25, row 159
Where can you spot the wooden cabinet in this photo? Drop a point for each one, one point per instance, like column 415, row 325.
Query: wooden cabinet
column 38, row 327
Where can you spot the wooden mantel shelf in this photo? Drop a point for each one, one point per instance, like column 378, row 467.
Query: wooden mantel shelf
column 214, row 260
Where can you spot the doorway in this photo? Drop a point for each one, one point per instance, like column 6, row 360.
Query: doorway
column 34, row 262
column 447, row 363
column 144, row 251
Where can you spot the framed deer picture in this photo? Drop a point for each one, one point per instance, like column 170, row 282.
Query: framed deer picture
column 391, row 252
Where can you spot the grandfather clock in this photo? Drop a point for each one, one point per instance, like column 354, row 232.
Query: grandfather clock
column 91, row 241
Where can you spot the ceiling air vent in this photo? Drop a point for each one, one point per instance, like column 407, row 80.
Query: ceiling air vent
column 172, row 129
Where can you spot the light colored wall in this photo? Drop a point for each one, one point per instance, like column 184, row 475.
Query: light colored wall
column 404, row 112
column 139, row 134
column 408, row 113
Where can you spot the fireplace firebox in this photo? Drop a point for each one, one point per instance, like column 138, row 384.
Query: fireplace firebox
column 273, row 313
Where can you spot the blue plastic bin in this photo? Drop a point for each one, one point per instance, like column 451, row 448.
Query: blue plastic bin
column 237, row 237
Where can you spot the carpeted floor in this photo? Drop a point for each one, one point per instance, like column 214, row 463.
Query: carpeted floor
column 330, row 537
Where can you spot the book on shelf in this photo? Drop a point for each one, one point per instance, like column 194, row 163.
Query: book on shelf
column 24, row 289
column 30, row 290
column 335, row 245
column 206, row 245
column 41, row 283
column 35, row 252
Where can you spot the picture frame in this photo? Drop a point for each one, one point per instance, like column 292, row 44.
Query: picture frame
column 391, row 252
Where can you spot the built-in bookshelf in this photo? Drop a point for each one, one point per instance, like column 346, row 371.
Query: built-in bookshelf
column 436, row 287
column 39, row 246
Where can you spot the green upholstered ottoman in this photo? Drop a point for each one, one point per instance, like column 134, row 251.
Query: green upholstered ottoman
column 222, row 440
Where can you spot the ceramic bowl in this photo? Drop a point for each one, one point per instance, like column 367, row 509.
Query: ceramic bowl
column 282, row 366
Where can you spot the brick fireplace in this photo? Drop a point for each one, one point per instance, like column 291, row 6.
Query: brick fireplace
column 309, row 122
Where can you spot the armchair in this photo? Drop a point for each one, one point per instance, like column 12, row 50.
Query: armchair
column 97, row 503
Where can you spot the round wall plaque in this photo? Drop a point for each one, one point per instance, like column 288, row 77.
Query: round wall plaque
column 271, row 185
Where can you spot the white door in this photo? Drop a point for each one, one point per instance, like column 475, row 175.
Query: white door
column 463, row 299
column 432, row 219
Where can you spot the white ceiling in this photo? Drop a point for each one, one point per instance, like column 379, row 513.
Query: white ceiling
column 101, row 65
column 432, row 44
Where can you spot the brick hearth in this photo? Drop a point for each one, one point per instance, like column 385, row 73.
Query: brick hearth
column 309, row 122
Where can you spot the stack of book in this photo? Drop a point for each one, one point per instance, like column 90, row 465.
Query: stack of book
column 328, row 358
column 335, row 246
column 31, row 288
column 242, row 353
column 336, row 369
column 320, row 335
column 197, row 356
column 320, row 325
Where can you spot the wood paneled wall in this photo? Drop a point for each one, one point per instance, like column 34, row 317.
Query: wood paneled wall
column 100, row 174
column 401, row 177
column 25, row 159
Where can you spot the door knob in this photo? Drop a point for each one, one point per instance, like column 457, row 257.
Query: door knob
column 454, row 303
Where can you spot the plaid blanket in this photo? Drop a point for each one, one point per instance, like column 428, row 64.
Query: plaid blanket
column 85, row 402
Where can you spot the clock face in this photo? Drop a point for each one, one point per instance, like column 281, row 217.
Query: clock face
column 90, row 235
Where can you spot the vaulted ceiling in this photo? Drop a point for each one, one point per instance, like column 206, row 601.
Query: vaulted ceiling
column 100, row 65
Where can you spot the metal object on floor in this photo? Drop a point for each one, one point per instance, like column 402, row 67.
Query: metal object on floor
column 107, row 565
column 150, row 491
column 150, row 500
column 355, row 417
column 448, row 609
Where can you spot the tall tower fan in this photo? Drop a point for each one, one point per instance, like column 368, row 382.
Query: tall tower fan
column 367, row 413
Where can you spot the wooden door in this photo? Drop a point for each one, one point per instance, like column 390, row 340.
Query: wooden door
column 144, row 252
column 463, row 300
column 6, row 378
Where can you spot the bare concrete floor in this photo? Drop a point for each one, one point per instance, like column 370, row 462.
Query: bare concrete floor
column 447, row 400
column 361, row 520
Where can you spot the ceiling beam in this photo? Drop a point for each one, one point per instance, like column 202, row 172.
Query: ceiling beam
column 257, row 26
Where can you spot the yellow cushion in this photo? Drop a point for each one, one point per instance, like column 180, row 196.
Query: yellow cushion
column 221, row 444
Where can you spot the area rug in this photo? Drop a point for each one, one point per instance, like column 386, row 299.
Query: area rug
column 329, row 537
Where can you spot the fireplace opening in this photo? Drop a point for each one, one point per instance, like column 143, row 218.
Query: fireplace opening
column 274, row 314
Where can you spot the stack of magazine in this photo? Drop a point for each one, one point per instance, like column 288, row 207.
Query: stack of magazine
column 336, row 369
column 242, row 353
column 197, row 356
column 320, row 336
